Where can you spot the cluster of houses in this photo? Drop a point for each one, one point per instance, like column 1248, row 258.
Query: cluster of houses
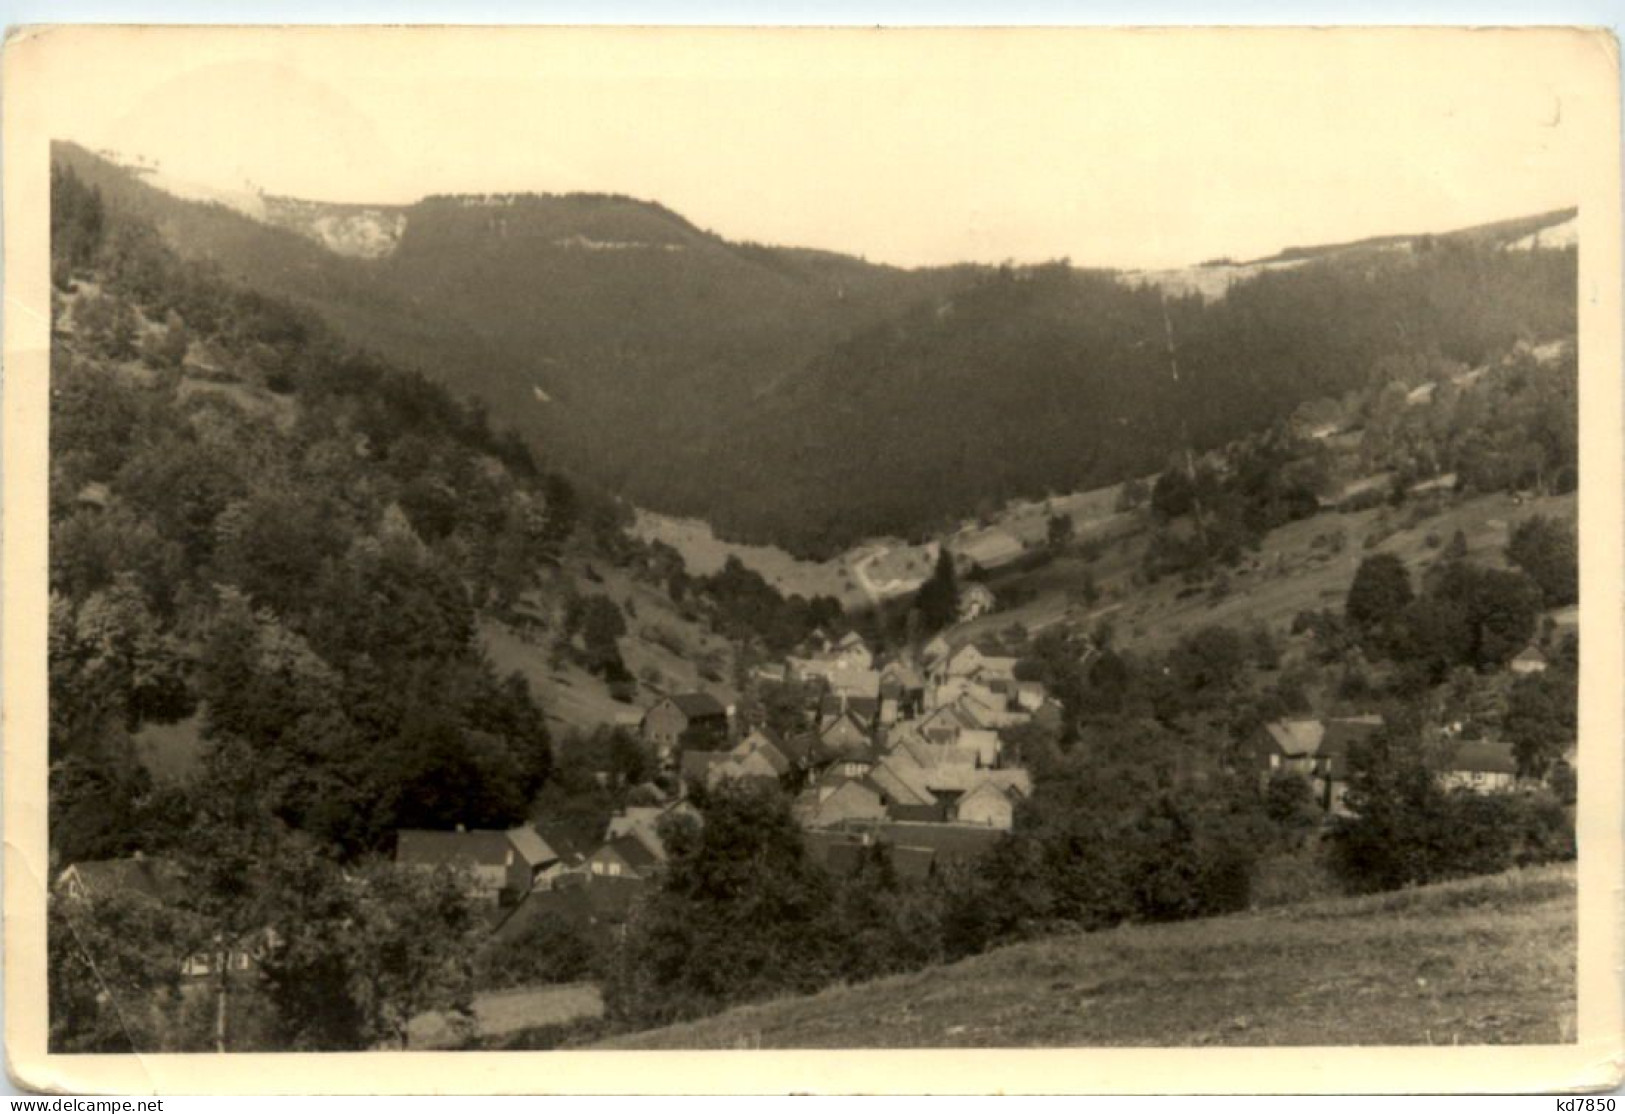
column 1318, row 750
column 529, row 873
column 904, row 752
column 904, row 755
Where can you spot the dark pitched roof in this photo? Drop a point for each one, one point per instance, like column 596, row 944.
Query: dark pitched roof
column 1483, row 757
column 932, row 813
column 531, row 846
column 573, row 838
column 431, row 848
column 158, row 879
column 764, row 731
column 826, row 752
column 694, row 704
column 863, row 709
column 594, row 901
column 633, row 852
column 953, row 841
column 842, row 852
column 798, row 748
column 1341, row 734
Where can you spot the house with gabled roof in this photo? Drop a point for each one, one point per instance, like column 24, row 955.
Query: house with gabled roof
column 962, row 662
column 600, row 904
column 898, row 734
column 643, row 822
column 864, row 709
column 801, row 748
column 625, row 856
column 933, row 756
column 895, row 790
column 986, row 709
column 901, row 765
column 137, row 876
column 1531, row 659
column 761, row 744
column 944, row 724
column 504, row 865
column 855, row 684
column 843, row 852
column 904, row 688
column 163, row 883
column 1331, row 768
column 844, row 734
column 1480, row 766
column 985, row 744
column 898, row 678
column 1314, row 748
column 752, row 767
column 985, row 804
column 947, row 842
column 839, row 800
column 1287, row 745
column 685, row 721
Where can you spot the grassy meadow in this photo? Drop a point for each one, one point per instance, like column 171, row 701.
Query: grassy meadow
column 1484, row 961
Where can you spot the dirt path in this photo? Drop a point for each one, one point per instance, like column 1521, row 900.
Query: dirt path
column 500, row 1012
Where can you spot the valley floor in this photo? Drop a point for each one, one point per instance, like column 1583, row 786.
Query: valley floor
column 1481, row 961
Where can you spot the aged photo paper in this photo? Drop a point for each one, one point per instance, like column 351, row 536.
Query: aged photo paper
column 923, row 176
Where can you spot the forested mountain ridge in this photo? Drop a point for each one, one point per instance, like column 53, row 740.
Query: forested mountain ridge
column 810, row 399
column 292, row 540
column 304, row 548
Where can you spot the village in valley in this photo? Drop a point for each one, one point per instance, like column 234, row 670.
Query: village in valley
column 904, row 752
column 373, row 725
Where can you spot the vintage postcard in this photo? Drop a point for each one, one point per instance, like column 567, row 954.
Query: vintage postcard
column 577, row 560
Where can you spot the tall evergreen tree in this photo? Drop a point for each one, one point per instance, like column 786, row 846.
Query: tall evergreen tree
column 938, row 598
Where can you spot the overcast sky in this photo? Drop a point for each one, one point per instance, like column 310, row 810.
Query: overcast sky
column 1131, row 149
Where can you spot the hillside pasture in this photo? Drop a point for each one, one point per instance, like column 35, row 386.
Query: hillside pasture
column 1306, row 565
column 1484, row 961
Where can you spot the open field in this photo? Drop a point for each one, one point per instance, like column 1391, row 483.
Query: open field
column 1301, row 566
column 500, row 1013
column 876, row 567
column 1480, row 961
column 570, row 695
column 665, row 651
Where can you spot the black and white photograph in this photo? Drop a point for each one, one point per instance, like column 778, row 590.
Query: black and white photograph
column 561, row 541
